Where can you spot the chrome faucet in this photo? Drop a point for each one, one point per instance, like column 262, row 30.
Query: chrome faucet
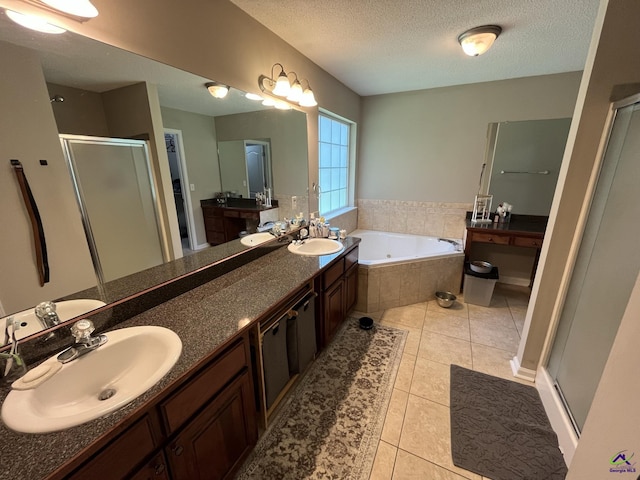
column 85, row 343
column 46, row 313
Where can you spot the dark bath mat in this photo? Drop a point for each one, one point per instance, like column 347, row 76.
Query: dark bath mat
column 499, row 429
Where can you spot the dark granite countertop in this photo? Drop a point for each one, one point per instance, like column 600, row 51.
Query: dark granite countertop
column 517, row 224
column 205, row 318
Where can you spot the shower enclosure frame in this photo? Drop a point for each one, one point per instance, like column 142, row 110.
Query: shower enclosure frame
column 86, row 222
column 555, row 406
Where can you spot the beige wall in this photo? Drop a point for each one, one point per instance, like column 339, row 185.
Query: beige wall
column 286, row 131
column 429, row 145
column 81, row 113
column 200, row 149
column 30, row 134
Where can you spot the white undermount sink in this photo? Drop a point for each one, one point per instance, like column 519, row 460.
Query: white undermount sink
column 131, row 362
column 66, row 310
column 316, row 246
column 256, row 239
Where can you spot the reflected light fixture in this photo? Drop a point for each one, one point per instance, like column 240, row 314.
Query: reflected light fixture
column 217, row 90
column 253, row 96
column 34, row 23
column 80, row 8
column 282, row 87
column 478, row 40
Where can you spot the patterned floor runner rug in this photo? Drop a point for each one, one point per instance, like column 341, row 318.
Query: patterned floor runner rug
column 331, row 422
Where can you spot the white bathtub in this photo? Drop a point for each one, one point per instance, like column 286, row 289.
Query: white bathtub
column 397, row 269
column 379, row 248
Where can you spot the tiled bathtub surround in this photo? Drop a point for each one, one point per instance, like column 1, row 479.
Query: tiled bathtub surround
column 386, row 286
column 435, row 219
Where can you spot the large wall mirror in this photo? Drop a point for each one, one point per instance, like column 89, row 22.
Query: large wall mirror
column 524, row 159
column 85, row 88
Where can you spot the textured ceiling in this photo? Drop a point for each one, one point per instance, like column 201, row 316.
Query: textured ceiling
column 385, row 46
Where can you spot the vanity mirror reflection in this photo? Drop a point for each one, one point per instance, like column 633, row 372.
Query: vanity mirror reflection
column 69, row 84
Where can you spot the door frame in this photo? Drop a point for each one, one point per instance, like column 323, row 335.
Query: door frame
column 553, row 403
column 185, row 186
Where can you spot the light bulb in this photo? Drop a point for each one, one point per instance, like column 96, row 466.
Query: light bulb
column 295, row 94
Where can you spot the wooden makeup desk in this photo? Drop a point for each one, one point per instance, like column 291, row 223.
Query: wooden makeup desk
column 520, row 231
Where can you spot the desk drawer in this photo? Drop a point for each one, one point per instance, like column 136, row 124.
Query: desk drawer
column 527, row 242
column 491, row 238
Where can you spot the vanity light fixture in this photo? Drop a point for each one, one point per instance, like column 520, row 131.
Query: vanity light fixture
column 478, row 40
column 34, row 23
column 282, row 87
column 217, row 90
column 253, row 96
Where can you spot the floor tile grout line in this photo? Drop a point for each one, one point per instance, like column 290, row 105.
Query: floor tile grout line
column 434, row 463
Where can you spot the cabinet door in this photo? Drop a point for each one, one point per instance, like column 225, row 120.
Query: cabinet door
column 351, row 284
column 155, row 469
column 334, row 303
column 213, row 445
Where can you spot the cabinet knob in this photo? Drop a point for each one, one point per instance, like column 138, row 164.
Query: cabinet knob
column 159, row 469
column 177, row 450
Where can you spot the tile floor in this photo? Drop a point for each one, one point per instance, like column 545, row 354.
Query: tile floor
column 415, row 441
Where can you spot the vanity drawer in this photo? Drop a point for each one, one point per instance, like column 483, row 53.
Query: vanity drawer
column 351, row 258
column 178, row 408
column 491, row 238
column 527, row 242
column 122, row 455
column 332, row 274
column 250, row 215
column 231, row 213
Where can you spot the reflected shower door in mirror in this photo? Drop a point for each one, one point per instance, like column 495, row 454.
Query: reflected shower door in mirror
column 116, row 196
column 524, row 161
column 111, row 93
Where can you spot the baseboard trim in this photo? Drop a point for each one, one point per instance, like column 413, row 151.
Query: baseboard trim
column 558, row 417
column 520, row 372
column 521, row 282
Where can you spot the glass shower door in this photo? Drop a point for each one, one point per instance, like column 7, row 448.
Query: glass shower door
column 594, row 304
column 117, row 200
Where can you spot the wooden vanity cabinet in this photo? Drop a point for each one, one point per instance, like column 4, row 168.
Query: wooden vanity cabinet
column 339, row 287
column 214, row 443
column 203, row 428
column 223, row 224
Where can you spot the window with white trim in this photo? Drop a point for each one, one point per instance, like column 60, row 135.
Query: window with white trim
column 333, row 160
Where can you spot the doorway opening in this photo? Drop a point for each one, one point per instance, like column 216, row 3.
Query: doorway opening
column 181, row 189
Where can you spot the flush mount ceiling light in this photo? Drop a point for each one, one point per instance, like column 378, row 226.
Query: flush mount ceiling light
column 478, row 40
column 282, row 87
column 80, row 8
column 34, row 23
column 217, row 90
